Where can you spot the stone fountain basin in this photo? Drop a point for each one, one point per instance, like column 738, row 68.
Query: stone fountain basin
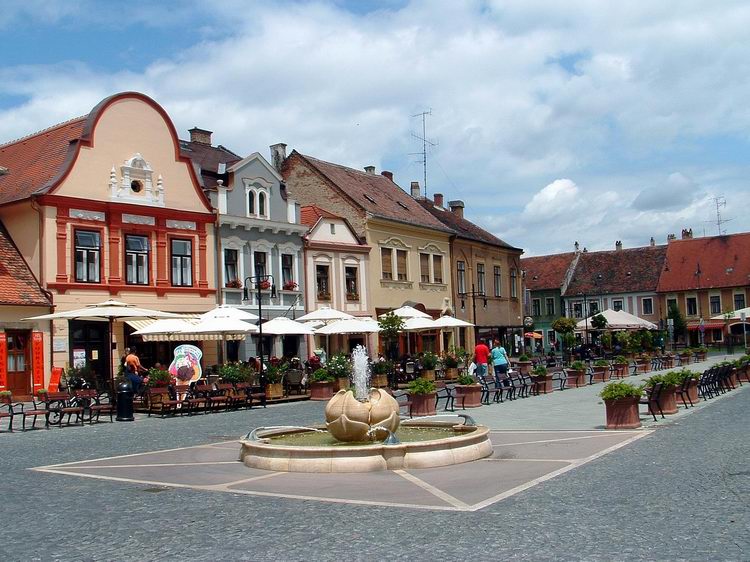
column 471, row 443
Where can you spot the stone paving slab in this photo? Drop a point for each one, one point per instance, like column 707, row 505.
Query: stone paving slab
column 521, row 459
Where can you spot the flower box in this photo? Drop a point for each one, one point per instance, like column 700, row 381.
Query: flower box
column 321, row 390
column 423, row 404
column 469, row 395
column 622, row 413
column 290, row 286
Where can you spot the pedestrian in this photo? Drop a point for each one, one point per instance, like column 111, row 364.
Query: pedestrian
column 481, row 355
column 134, row 370
column 499, row 362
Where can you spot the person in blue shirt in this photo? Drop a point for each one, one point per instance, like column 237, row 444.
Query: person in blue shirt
column 499, row 362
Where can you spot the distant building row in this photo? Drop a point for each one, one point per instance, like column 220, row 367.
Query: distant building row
column 702, row 277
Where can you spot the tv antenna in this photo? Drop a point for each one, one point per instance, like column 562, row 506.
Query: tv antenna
column 425, row 144
column 720, row 202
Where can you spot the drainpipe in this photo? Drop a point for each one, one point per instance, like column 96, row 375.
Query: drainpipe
column 219, row 277
column 310, row 339
column 42, row 281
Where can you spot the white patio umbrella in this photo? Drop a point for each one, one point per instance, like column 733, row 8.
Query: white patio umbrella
column 447, row 322
column 283, row 326
column 109, row 311
column 736, row 315
column 228, row 311
column 418, row 324
column 350, row 326
column 325, row 314
column 164, row 330
column 408, row 312
column 618, row 320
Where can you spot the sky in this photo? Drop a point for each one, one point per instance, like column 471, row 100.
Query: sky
column 554, row 122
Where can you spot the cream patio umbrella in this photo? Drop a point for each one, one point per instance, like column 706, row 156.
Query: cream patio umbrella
column 283, row 326
column 325, row 314
column 164, row 330
column 350, row 326
column 228, row 311
column 108, row 311
column 446, row 322
column 408, row 312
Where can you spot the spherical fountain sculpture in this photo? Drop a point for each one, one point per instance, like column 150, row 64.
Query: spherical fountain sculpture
column 364, row 433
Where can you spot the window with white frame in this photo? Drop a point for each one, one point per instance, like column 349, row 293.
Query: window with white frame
column 593, row 307
column 617, row 304
column 136, row 259
column 231, row 271
column 287, row 270
column 424, row 268
column 182, row 263
column 322, row 282
column 88, row 256
column 352, row 285
column 578, row 310
column 258, row 199
column 714, row 302
column 691, row 304
column 648, row 306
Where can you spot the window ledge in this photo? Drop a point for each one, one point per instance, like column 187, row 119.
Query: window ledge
column 395, row 284
column 433, row 286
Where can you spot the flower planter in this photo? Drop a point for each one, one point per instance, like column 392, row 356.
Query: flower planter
column 692, row 391
column 451, row 373
column 423, row 404
column 643, row 365
column 668, row 400
column 428, row 374
column 622, row 413
column 469, row 395
column 524, row 367
column 621, row 370
column 321, row 391
column 685, row 359
column 379, row 381
column 601, row 374
column 341, row 383
column 700, row 356
column 543, row 384
column 274, row 390
column 575, row 378
column 733, row 378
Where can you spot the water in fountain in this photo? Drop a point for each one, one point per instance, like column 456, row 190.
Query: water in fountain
column 361, row 373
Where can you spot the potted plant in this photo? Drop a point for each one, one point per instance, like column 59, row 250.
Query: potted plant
column 450, row 366
column 321, row 385
column 380, row 370
column 42, row 393
column 576, row 374
column 234, row 373
column 643, row 363
column 700, row 353
column 524, row 364
column 233, row 284
column 685, row 355
column 158, row 378
column 340, row 368
column 692, row 389
column 601, row 370
column 620, row 364
column 422, row 393
column 274, row 386
column 667, row 399
column 468, row 392
column 352, row 296
column 621, row 405
column 324, row 296
column 429, row 362
column 5, row 396
column 542, row 379
column 290, row 286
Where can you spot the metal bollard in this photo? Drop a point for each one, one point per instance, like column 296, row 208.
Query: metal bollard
column 124, row 402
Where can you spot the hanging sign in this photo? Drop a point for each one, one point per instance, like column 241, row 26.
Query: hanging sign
column 37, row 359
column 3, row 361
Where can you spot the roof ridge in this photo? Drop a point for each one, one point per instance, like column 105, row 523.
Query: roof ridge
column 364, row 173
column 43, row 131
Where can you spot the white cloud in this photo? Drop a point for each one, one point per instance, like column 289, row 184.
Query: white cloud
column 649, row 84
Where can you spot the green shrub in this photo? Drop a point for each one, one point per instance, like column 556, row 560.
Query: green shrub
column 381, row 367
column 322, row 375
column 578, row 366
column 158, row 377
column 539, row 371
column 523, row 357
column 702, row 349
column 5, row 393
column 601, row 363
column 621, row 389
column 275, row 373
column 450, row 361
column 421, row 386
column 620, row 359
column 339, row 366
column 466, row 379
column 234, row 373
column 688, row 374
column 670, row 378
column 429, row 361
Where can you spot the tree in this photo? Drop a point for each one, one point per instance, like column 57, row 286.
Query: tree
column 390, row 326
column 564, row 325
column 679, row 321
column 599, row 322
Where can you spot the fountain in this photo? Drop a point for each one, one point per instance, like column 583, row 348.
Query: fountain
column 364, row 433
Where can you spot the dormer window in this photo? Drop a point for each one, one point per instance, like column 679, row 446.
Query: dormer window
column 258, row 201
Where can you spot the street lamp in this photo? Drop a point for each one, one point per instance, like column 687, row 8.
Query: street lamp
column 259, row 280
column 473, row 294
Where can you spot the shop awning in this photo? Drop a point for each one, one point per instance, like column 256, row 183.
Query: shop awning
column 142, row 323
column 712, row 325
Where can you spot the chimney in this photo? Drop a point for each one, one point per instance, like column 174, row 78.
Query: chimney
column 370, row 169
column 687, row 233
column 618, row 245
column 671, row 237
column 652, row 242
column 387, row 174
column 438, row 199
column 457, row 208
column 201, row 136
column 577, row 246
column 415, row 191
column 278, row 155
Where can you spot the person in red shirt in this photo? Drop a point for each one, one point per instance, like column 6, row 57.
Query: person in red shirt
column 481, row 355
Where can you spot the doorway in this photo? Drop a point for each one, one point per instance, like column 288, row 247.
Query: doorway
column 18, row 361
column 88, row 344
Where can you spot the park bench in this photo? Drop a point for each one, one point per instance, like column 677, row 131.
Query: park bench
column 404, row 401
column 681, row 392
column 95, row 403
column 160, row 401
column 187, row 401
column 253, row 394
column 214, row 398
column 61, row 404
column 234, row 398
column 9, row 409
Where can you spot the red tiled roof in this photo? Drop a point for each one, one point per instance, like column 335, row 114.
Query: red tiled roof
column 546, row 272
column 35, row 160
column 311, row 214
column 208, row 159
column 375, row 193
column 18, row 286
column 463, row 228
column 631, row 270
column 705, row 263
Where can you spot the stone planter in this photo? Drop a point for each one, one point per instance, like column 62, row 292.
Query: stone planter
column 321, row 390
column 423, row 404
column 621, row 370
column 622, row 413
column 601, row 374
column 700, row 356
column 524, row 367
column 668, row 400
column 451, row 373
column 543, row 384
column 684, row 358
column 643, row 365
column 692, row 391
column 274, row 390
column 575, row 378
column 428, row 374
column 379, row 381
column 468, row 395
column 341, row 383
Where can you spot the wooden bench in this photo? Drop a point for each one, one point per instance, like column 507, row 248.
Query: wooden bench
column 9, row 410
column 234, row 398
column 61, row 404
column 214, row 398
column 95, row 403
column 404, row 400
column 254, row 393
column 160, row 401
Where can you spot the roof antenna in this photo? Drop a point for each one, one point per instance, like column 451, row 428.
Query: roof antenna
column 720, row 203
column 425, row 142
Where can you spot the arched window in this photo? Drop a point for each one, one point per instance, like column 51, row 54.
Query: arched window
column 262, row 204
column 250, row 203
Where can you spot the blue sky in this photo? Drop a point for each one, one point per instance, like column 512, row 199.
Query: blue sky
column 585, row 121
